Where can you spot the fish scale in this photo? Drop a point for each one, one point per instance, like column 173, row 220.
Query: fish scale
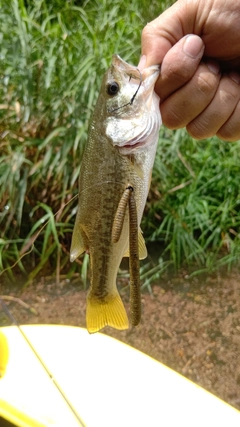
column 120, row 151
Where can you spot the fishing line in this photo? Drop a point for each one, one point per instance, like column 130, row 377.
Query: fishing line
column 14, row 321
column 102, row 183
column 134, row 95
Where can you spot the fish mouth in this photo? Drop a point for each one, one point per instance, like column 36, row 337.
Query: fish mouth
column 147, row 75
column 133, row 120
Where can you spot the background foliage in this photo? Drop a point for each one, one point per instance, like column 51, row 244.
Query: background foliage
column 53, row 56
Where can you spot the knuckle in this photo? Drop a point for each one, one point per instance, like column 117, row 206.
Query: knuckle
column 172, row 119
column 146, row 32
column 229, row 94
column 150, row 30
column 199, row 130
column 226, row 133
column 230, row 130
column 175, row 72
column 228, row 97
column 207, row 83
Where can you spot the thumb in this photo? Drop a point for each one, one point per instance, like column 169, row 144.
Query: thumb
column 165, row 31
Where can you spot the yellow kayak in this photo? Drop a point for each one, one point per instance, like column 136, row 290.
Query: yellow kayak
column 105, row 383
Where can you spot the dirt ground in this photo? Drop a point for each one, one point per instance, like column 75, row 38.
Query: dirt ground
column 191, row 326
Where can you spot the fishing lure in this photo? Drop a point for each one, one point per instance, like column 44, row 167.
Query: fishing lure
column 127, row 200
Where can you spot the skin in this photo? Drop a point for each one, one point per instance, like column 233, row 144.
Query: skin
column 197, row 44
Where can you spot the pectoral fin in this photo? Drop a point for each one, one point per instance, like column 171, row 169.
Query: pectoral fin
column 77, row 245
column 141, row 246
column 108, row 311
column 138, row 170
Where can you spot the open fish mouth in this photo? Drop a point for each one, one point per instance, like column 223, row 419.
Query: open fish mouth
column 133, row 118
column 144, row 78
column 150, row 73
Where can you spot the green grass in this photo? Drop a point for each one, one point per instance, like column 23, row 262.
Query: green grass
column 53, row 56
column 194, row 205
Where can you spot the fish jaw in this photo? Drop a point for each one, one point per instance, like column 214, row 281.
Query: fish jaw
column 133, row 116
column 148, row 75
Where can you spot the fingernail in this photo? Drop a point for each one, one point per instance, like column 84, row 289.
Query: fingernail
column 234, row 76
column 142, row 62
column 193, row 45
column 213, row 66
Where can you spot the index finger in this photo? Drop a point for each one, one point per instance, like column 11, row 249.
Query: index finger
column 165, row 31
column 179, row 65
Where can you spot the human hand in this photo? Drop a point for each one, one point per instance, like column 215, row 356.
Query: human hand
column 197, row 44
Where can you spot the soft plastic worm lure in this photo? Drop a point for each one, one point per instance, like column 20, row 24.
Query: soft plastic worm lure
column 135, row 294
column 128, row 199
column 120, row 214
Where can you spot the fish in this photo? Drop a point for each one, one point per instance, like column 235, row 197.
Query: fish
column 114, row 181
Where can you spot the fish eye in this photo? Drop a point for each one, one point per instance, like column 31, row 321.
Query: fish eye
column 113, row 88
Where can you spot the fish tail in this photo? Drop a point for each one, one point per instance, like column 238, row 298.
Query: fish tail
column 105, row 311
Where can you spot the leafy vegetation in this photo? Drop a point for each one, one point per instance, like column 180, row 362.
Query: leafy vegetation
column 194, row 206
column 53, row 56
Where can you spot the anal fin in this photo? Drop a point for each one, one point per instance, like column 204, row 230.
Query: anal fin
column 141, row 246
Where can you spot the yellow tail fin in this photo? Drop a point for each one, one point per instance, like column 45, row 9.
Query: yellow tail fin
column 108, row 311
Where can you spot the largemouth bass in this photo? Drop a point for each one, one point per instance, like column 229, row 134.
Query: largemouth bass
column 119, row 155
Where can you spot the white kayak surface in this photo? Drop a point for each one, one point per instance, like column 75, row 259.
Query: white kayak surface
column 108, row 383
